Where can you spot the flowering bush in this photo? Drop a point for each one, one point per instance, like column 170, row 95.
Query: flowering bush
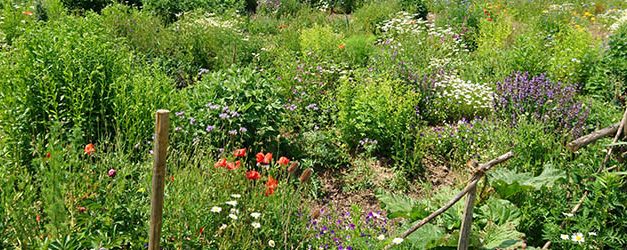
column 450, row 98
column 537, row 97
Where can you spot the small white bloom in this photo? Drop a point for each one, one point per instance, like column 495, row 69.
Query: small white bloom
column 592, row 233
column 222, row 227
column 232, row 203
column 381, row 237
column 255, row 215
column 564, row 237
column 271, row 243
column 233, row 217
column 255, row 224
column 234, row 211
column 577, row 237
column 216, row 209
column 236, row 196
column 568, row 214
column 397, row 241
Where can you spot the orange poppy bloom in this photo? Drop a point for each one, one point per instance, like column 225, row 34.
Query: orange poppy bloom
column 341, row 46
column 283, row 161
column 28, row 13
column 89, row 149
column 240, row 152
column 253, row 175
column 221, row 163
column 271, row 185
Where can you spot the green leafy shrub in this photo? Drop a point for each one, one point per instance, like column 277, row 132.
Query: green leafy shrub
column 415, row 6
column 375, row 107
column 609, row 77
column 229, row 108
column 370, row 15
column 169, row 10
column 358, row 49
column 319, row 42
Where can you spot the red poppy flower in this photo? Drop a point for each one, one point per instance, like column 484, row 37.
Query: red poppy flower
column 38, row 218
column 240, row 152
column 202, row 229
column 283, row 161
column 89, row 149
column 172, row 178
column 269, row 191
column 233, row 166
column 221, row 163
column 253, row 175
column 264, row 159
column 259, row 156
column 48, row 155
column 341, row 46
column 28, row 13
column 489, row 19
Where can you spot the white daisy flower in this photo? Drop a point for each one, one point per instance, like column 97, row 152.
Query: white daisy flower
column 216, row 209
column 231, row 203
column 577, row 237
column 222, row 227
column 564, row 237
column 255, row 215
column 233, row 217
column 256, row 224
column 592, row 233
column 381, row 237
column 236, row 196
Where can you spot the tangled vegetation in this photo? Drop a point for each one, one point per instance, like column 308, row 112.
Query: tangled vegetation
column 310, row 124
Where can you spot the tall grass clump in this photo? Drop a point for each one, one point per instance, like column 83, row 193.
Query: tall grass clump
column 68, row 72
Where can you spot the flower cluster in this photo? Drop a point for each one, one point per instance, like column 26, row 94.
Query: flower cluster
column 333, row 229
column 576, row 237
column 541, row 99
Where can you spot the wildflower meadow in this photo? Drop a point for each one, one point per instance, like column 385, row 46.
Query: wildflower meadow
column 351, row 124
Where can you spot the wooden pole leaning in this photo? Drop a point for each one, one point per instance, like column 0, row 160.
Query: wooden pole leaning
column 162, row 125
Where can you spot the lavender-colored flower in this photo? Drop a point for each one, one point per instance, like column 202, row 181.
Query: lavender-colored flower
column 224, row 116
column 290, row 107
column 210, row 128
column 192, row 121
column 243, row 130
column 312, row 106
column 234, row 114
column 180, row 114
column 233, row 132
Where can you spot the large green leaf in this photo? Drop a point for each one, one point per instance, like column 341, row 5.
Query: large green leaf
column 508, row 183
column 499, row 212
column 426, row 237
column 402, row 206
column 502, row 236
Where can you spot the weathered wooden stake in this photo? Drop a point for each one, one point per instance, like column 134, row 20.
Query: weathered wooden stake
column 158, row 175
column 464, row 235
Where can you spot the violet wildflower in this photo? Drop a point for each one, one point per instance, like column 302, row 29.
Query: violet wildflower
column 224, row 116
column 210, row 128
column 243, row 130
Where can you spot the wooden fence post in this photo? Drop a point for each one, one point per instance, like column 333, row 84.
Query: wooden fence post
column 158, row 176
column 464, row 235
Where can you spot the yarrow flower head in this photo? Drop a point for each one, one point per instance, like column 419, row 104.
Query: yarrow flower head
column 397, row 241
column 232, row 203
column 564, row 237
column 381, row 237
column 256, row 225
column 255, row 215
column 216, row 209
column 233, row 217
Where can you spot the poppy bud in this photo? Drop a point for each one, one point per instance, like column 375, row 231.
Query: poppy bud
column 112, row 173
column 292, row 168
column 306, row 175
